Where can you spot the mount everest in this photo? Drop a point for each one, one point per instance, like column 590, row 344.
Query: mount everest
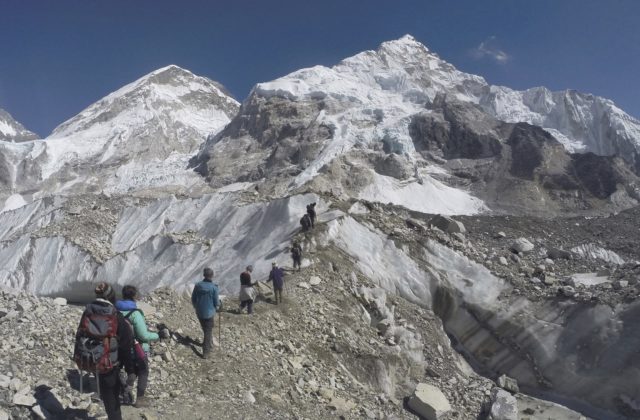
column 170, row 173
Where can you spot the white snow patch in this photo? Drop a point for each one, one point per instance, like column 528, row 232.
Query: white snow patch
column 237, row 186
column 7, row 129
column 15, row 201
column 430, row 196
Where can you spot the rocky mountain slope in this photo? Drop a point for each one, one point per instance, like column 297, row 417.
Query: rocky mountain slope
column 339, row 347
column 12, row 131
column 354, row 130
column 136, row 138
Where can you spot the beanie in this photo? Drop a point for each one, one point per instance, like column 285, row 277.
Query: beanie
column 105, row 291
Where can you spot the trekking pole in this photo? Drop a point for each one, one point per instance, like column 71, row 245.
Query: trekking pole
column 81, row 378
column 220, row 329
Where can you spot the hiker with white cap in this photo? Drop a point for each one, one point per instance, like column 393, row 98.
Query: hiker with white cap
column 247, row 292
column 277, row 277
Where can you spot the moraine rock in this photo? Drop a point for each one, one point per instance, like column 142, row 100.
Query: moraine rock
column 559, row 254
column 447, row 224
column 24, row 400
column 504, row 406
column 521, row 245
column 60, row 301
column 508, row 384
column 314, row 280
column 429, row 402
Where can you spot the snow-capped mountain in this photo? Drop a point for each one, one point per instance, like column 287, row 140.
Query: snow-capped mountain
column 350, row 129
column 139, row 136
column 12, row 131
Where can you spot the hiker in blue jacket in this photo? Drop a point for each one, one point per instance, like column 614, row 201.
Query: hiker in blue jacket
column 205, row 300
column 129, row 309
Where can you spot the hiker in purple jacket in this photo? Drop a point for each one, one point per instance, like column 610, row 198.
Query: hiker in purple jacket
column 277, row 277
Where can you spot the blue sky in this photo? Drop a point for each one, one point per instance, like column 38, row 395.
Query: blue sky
column 57, row 57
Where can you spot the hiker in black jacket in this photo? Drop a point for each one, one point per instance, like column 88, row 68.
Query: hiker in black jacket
column 311, row 211
column 109, row 383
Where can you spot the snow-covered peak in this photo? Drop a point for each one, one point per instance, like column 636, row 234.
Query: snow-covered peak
column 11, row 130
column 402, row 75
column 402, row 70
column 169, row 93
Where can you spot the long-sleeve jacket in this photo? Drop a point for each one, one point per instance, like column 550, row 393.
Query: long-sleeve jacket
column 139, row 323
column 277, row 277
column 205, row 299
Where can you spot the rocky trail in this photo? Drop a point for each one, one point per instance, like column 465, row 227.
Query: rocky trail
column 338, row 347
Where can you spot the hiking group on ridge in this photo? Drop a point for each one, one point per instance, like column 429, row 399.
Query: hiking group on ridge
column 113, row 341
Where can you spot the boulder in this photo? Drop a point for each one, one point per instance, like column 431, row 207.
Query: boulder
column 559, row 254
column 447, row 224
column 508, row 384
column 26, row 400
column 60, row 301
column 504, row 406
column 521, row 245
column 568, row 291
column 341, row 405
column 429, row 402
column 4, row 415
column 314, row 280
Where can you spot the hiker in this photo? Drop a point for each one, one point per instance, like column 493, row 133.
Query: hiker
column 311, row 211
column 205, row 300
column 296, row 254
column 277, row 277
column 129, row 309
column 104, row 345
column 305, row 222
column 247, row 292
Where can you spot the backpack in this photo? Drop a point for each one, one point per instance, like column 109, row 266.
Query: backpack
column 138, row 351
column 296, row 251
column 96, row 347
column 305, row 221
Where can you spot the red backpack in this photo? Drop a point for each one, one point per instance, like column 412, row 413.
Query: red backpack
column 96, row 348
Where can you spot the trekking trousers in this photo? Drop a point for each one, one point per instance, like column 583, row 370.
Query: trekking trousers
column 110, row 393
column 142, row 372
column 248, row 304
column 278, row 295
column 207, row 330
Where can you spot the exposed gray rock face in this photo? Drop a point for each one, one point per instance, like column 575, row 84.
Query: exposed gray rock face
column 511, row 165
column 12, row 131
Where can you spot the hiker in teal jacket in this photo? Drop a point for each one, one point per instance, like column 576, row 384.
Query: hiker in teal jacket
column 135, row 316
column 205, row 301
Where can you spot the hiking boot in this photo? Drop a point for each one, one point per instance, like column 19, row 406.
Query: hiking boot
column 206, row 356
column 142, row 402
